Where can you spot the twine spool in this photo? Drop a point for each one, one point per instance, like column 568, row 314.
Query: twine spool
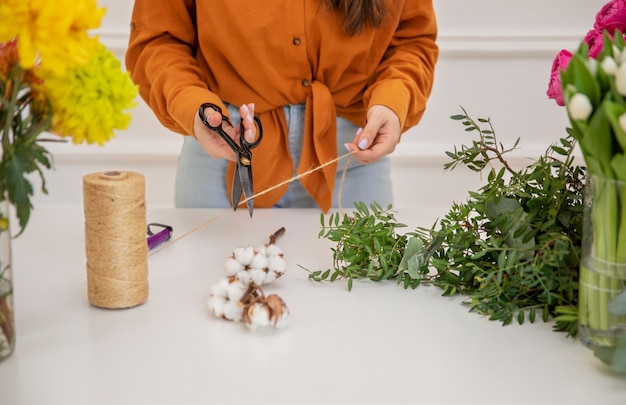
column 115, row 239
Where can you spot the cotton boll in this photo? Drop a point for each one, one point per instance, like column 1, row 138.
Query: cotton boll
column 259, row 261
column 266, row 313
column 277, row 264
column 257, row 276
column 224, row 301
column 270, row 276
column 233, row 266
column 236, row 290
column 244, row 277
column 244, row 255
column 273, row 250
column 216, row 305
column 233, row 311
column 220, row 288
column 280, row 312
column 262, row 249
column 257, row 316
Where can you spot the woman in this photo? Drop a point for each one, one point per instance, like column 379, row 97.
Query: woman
column 324, row 76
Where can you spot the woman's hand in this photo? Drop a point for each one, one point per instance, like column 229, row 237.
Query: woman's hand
column 213, row 143
column 378, row 138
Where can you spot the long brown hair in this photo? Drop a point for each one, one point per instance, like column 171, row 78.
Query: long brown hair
column 358, row 14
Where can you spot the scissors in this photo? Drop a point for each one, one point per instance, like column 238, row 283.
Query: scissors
column 242, row 182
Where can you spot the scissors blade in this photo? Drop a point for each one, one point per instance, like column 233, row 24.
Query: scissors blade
column 245, row 182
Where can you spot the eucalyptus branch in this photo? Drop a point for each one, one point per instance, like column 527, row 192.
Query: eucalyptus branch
column 512, row 248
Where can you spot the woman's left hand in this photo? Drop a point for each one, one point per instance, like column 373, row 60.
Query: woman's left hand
column 378, row 138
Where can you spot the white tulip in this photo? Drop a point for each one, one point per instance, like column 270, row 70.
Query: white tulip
column 579, row 107
column 620, row 79
column 609, row 66
column 622, row 122
column 592, row 66
column 616, row 53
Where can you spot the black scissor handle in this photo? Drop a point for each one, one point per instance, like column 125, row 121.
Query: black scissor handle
column 251, row 145
column 205, row 121
column 218, row 128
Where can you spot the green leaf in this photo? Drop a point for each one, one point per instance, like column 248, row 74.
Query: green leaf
column 617, row 306
column 578, row 75
column 598, row 141
column 619, row 357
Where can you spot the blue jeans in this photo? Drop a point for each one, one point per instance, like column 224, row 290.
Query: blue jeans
column 200, row 179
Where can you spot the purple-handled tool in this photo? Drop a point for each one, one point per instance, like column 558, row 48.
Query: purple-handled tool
column 155, row 239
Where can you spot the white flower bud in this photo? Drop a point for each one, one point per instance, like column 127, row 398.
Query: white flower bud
column 622, row 58
column 592, row 66
column 622, row 122
column 579, row 107
column 616, row 53
column 609, row 66
column 620, row 79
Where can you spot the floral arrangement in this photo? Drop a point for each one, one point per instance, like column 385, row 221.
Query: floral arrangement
column 591, row 84
column 55, row 77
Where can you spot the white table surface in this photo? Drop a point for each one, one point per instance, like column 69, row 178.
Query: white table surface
column 378, row 344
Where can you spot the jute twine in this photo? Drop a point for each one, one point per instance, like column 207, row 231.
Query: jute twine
column 267, row 190
column 115, row 239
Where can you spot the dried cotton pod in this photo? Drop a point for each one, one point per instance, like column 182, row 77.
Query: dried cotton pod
column 263, row 313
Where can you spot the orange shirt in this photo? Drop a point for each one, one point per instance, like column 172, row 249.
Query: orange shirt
column 183, row 53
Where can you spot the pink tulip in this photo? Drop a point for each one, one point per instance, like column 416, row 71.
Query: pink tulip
column 612, row 17
column 559, row 64
column 594, row 39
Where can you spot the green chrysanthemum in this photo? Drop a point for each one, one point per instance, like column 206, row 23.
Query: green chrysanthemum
column 91, row 101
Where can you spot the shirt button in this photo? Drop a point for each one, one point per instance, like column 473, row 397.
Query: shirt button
column 296, row 41
column 305, row 83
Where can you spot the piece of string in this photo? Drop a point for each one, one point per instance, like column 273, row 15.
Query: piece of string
column 260, row 193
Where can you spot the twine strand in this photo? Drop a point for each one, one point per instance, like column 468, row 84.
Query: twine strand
column 260, row 193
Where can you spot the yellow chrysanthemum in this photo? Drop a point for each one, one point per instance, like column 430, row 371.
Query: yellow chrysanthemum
column 91, row 101
column 53, row 34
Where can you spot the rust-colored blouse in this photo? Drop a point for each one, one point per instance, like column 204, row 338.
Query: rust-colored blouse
column 183, row 53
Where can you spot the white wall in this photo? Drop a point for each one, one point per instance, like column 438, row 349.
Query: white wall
column 495, row 61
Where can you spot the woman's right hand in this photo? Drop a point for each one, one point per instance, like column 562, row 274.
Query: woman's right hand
column 212, row 142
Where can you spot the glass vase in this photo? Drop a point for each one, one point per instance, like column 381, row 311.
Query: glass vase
column 602, row 291
column 7, row 319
